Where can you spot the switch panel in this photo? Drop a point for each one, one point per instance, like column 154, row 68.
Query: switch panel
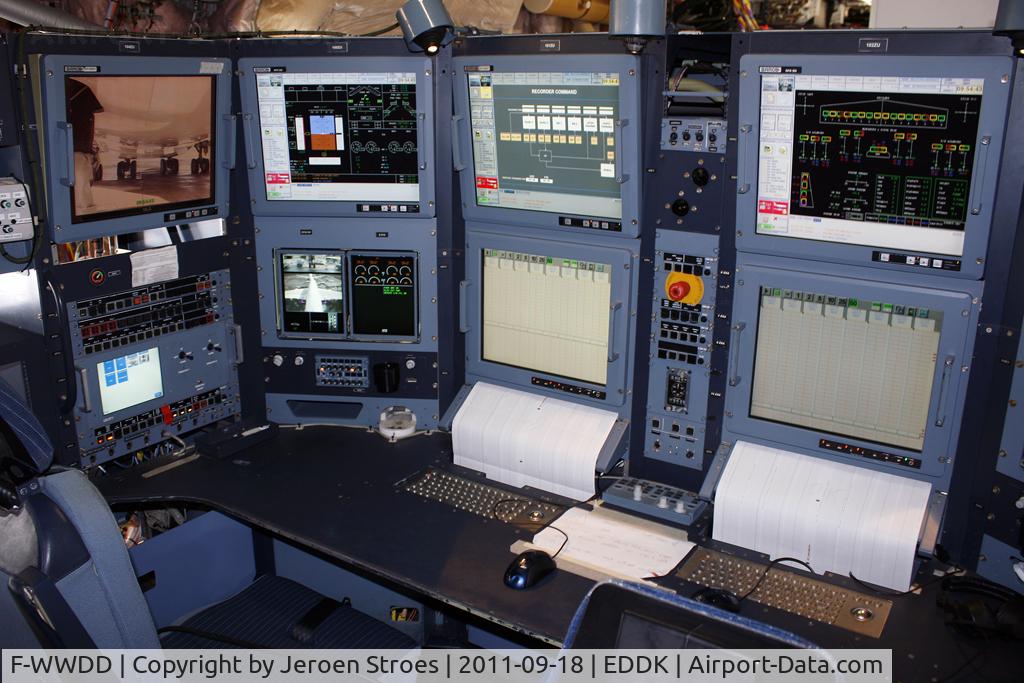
column 685, row 277
column 15, row 217
column 342, row 371
column 693, row 134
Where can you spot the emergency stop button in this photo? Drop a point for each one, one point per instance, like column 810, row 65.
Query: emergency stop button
column 685, row 288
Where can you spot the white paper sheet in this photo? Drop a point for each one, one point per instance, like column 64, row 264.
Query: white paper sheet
column 612, row 546
column 835, row 517
column 154, row 265
column 522, row 439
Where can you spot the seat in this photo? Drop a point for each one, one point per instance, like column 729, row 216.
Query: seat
column 268, row 614
column 71, row 580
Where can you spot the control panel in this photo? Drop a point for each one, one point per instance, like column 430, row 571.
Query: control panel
column 342, row 371
column 657, row 500
column 117, row 320
column 685, row 275
column 152, row 362
column 15, row 217
column 694, row 134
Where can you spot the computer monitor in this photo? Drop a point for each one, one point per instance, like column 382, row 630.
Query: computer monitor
column 128, row 380
column 548, row 315
column 550, row 148
column 383, row 295
column 340, row 137
column 311, row 294
column 133, row 143
column 862, row 371
column 880, row 161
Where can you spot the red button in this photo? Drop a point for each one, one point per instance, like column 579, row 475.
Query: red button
column 166, row 412
column 677, row 291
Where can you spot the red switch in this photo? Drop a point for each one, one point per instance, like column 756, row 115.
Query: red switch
column 166, row 412
column 677, row 291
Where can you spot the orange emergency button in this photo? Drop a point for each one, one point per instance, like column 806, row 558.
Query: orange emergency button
column 685, row 288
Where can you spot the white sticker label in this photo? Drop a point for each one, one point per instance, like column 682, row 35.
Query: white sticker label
column 211, row 67
column 154, row 265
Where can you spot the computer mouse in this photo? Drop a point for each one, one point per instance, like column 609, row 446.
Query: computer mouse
column 528, row 569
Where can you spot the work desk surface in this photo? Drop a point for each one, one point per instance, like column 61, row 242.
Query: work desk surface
column 335, row 491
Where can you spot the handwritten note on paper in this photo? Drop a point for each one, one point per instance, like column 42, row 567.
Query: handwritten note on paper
column 835, row 517
column 614, row 545
column 522, row 439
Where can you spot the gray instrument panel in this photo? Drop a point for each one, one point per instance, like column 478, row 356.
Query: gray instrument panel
column 155, row 360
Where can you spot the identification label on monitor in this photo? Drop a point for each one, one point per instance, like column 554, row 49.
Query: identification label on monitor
column 880, row 161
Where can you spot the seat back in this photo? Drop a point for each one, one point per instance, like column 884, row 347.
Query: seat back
column 62, row 558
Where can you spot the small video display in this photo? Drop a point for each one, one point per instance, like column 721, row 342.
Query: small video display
column 312, row 294
column 129, row 380
column 141, row 144
column 383, row 295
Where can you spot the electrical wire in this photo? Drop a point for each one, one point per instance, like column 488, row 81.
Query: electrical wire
column 913, row 589
column 768, row 568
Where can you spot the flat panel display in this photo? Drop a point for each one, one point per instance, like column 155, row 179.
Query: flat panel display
column 547, row 141
column 141, row 144
column 312, row 293
column 129, row 380
column 878, row 161
column 383, row 288
column 547, row 314
column 339, row 136
column 843, row 365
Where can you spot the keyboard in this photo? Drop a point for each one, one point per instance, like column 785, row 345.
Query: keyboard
column 788, row 591
column 484, row 500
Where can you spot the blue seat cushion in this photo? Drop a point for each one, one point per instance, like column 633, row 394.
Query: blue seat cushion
column 265, row 613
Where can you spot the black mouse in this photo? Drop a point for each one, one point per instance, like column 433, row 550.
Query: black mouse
column 528, row 569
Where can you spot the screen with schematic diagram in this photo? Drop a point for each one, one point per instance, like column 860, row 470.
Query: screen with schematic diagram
column 843, row 365
column 546, row 141
column 878, row 161
column 547, row 314
column 339, row 136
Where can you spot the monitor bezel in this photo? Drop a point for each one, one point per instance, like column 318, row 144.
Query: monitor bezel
column 995, row 97
column 419, row 65
column 620, row 344
column 279, row 293
column 955, row 340
column 52, row 72
column 628, row 142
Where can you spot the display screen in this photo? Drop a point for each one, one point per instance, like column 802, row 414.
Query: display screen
column 129, row 380
column 843, row 365
column 141, row 144
column 546, row 141
column 874, row 161
column 339, row 136
column 312, row 298
column 383, row 295
column 547, row 314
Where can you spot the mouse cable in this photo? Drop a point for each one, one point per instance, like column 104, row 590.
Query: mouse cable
column 768, row 568
column 913, row 589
